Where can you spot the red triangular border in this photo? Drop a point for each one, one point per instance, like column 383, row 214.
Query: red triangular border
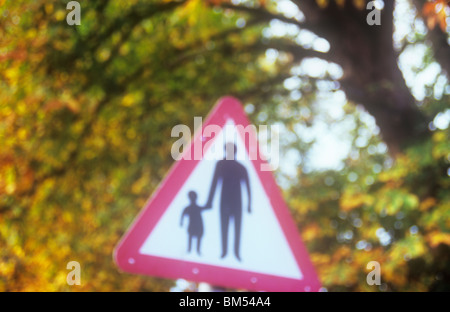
column 128, row 258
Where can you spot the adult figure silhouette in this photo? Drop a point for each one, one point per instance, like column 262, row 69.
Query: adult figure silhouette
column 232, row 174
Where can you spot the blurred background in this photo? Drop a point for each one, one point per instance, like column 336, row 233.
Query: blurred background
column 86, row 113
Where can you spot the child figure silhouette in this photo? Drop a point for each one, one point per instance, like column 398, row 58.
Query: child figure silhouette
column 195, row 227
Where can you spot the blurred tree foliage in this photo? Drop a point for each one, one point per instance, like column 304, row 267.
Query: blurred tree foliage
column 86, row 114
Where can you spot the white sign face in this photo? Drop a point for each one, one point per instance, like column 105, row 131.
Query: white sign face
column 254, row 241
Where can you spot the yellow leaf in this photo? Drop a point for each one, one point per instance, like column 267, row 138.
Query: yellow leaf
column 437, row 238
column 350, row 201
column 128, row 100
column 435, row 13
column 340, row 3
column 310, row 232
column 427, row 204
column 322, row 3
column 360, row 4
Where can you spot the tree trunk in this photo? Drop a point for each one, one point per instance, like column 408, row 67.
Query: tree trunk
column 372, row 77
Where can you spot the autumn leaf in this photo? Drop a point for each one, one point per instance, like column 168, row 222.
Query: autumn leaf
column 435, row 13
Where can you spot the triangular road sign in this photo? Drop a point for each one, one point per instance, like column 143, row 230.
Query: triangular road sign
column 197, row 225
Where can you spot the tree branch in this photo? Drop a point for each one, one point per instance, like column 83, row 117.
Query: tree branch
column 297, row 51
column 263, row 13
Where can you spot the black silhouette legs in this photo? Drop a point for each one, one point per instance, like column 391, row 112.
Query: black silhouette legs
column 225, row 218
column 237, row 235
column 199, row 242
column 224, row 222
